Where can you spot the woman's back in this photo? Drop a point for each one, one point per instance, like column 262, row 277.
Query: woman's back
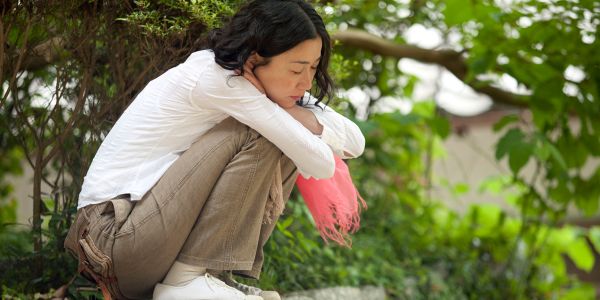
column 160, row 124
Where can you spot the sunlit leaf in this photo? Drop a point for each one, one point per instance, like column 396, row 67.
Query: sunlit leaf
column 580, row 253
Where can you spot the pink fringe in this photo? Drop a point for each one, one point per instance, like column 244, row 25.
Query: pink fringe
column 333, row 203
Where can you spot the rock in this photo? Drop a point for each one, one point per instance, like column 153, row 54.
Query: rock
column 339, row 293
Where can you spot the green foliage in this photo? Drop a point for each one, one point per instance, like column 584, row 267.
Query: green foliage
column 418, row 249
column 517, row 147
column 10, row 164
column 168, row 17
column 540, row 44
column 13, row 238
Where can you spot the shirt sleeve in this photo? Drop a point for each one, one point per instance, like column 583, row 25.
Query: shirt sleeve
column 237, row 97
column 341, row 134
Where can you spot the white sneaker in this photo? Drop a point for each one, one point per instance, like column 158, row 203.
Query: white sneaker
column 205, row 287
column 227, row 277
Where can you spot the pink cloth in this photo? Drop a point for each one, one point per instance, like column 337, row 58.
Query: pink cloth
column 334, row 204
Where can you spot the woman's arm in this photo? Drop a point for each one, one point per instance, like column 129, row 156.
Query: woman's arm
column 340, row 133
column 238, row 98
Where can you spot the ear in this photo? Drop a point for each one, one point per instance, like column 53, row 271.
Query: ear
column 255, row 60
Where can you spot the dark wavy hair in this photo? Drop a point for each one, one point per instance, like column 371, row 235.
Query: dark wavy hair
column 271, row 27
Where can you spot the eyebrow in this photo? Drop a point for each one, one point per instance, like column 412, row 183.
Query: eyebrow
column 304, row 62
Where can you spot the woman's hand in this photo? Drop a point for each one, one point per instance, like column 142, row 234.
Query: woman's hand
column 249, row 75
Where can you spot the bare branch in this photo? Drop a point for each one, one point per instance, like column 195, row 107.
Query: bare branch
column 19, row 59
column 3, row 35
column 74, row 116
column 451, row 60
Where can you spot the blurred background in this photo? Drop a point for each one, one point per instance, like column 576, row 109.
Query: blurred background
column 481, row 169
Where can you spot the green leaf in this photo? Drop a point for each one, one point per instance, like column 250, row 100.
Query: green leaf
column 457, row 12
column 581, row 292
column 578, row 154
column 442, row 216
column 285, row 224
column 560, row 193
column 519, row 157
column 441, row 126
column 591, row 142
column 8, row 212
column 511, row 227
column 518, row 149
column 594, row 236
column 561, row 239
column 495, row 185
column 518, row 72
column 460, row 189
column 405, row 120
column 367, row 127
column 588, row 205
column 556, row 262
column 482, row 63
column 543, row 72
column 558, row 157
column 505, row 121
column 542, row 149
column 489, row 216
column 580, row 253
column 509, row 140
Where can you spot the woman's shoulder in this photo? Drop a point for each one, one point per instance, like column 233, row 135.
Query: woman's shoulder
column 201, row 55
column 195, row 66
column 200, row 59
column 203, row 61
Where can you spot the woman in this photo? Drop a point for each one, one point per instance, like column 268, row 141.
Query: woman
column 193, row 176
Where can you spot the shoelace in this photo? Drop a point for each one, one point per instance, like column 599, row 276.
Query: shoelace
column 227, row 277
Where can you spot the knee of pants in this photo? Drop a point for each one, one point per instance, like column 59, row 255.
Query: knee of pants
column 247, row 134
column 267, row 146
column 231, row 124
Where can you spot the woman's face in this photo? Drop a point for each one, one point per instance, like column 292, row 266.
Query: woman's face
column 288, row 75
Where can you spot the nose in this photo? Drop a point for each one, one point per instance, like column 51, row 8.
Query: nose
column 305, row 82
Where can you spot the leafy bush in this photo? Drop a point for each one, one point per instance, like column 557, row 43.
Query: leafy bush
column 418, row 249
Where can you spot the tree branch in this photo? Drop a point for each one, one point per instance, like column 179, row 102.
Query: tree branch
column 451, row 60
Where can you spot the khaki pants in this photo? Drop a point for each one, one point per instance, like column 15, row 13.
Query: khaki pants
column 211, row 209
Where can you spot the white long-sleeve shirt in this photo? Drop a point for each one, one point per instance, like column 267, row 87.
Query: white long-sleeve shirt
column 179, row 106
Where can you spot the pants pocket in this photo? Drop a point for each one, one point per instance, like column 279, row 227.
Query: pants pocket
column 97, row 261
column 82, row 241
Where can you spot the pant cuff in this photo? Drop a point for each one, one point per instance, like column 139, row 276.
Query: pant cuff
column 253, row 273
column 215, row 264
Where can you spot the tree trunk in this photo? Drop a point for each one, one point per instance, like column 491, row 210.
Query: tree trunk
column 37, row 214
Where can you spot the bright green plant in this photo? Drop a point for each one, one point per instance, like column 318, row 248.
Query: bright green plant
column 418, row 249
